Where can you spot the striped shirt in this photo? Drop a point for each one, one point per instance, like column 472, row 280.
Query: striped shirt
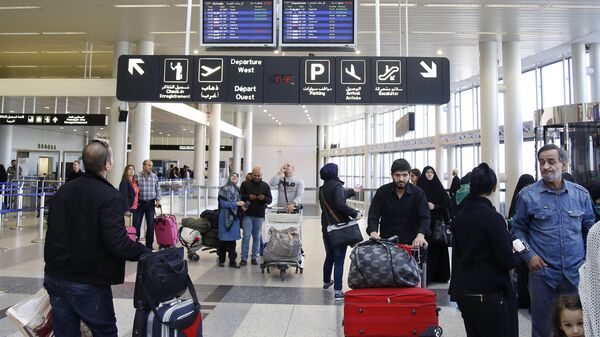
column 149, row 188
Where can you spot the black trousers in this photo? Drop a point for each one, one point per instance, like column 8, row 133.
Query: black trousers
column 485, row 315
column 227, row 248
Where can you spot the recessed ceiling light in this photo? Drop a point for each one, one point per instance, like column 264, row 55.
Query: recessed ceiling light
column 141, row 6
column 454, row 5
column 357, row 52
column 372, row 4
column 101, row 128
column 151, row 131
column 86, row 132
column 304, row 106
column 273, row 117
column 174, row 32
column 62, row 127
column 185, row 5
column 46, row 107
column 12, row 111
column 513, row 6
column 439, row 52
column 265, row 110
column 279, row 123
column 19, row 33
column 269, row 115
column 276, row 51
column 64, row 33
column 160, row 133
column 305, row 110
column 19, row 7
column 19, row 52
column 196, row 51
column 184, row 129
column 107, row 108
column 74, row 130
column 60, row 52
column 168, row 135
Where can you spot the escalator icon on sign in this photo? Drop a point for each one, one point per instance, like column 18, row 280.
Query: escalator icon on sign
column 389, row 72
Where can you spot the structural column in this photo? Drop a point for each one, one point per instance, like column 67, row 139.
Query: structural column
column 579, row 73
column 595, row 78
column 117, row 132
column 451, row 149
column 214, row 148
column 199, row 152
column 490, row 138
column 248, row 142
column 513, row 124
column 237, row 147
column 367, row 169
column 140, row 140
column 6, row 142
column 320, row 148
column 439, row 151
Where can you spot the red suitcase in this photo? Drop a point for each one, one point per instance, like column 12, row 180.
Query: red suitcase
column 165, row 227
column 398, row 312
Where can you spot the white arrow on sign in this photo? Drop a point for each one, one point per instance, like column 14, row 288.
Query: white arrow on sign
column 135, row 64
column 55, row 119
column 430, row 72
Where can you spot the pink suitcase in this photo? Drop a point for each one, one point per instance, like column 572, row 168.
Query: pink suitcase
column 165, row 227
column 131, row 232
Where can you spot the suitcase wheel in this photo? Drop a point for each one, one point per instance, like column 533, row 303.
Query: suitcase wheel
column 281, row 274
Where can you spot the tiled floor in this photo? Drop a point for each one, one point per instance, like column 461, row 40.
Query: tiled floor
column 236, row 302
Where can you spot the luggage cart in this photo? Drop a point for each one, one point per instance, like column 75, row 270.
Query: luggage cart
column 279, row 219
column 420, row 255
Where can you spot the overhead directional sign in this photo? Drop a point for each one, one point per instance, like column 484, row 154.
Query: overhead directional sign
column 54, row 119
column 284, row 80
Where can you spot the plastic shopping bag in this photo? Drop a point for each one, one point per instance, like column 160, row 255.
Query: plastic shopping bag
column 33, row 315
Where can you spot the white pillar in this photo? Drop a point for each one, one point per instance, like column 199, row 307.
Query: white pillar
column 367, row 169
column 214, row 148
column 140, row 140
column 248, row 142
column 490, row 139
column 579, row 73
column 451, row 150
column 237, row 146
column 513, row 124
column 595, row 78
column 320, row 148
column 199, row 152
column 117, row 131
column 6, row 142
column 439, row 152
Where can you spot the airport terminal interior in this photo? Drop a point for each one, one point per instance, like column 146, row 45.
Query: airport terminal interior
column 479, row 80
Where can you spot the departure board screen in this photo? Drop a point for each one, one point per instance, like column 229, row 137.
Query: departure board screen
column 318, row 23
column 238, row 23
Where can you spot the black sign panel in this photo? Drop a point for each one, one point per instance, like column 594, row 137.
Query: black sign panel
column 292, row 80
column 211, row 79
column 281, row 80
column 428, row 80
column 352, row 84
column 388, row 80
column 54, row 119
column 317, row 80
column 238, row 23
column 245, row 79
column 138, row 78
column 176, row 79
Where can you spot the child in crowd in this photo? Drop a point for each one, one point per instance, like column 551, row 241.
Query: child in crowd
column 567, row 319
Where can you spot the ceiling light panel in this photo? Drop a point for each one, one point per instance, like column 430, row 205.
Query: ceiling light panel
column 454, row 5
column 64, row 33
column 18, row 33
column 8, row 8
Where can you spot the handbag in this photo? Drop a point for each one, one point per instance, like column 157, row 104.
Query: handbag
column 342, row 234
column 380, row 263
column 441, row 233
column 161, row 276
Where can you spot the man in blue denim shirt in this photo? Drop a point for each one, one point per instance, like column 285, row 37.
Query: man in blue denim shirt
column 552, row 215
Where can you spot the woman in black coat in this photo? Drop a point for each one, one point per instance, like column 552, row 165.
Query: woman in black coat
column 130, row 191
column 333, row 196
column 481, row 282
column 438, row 259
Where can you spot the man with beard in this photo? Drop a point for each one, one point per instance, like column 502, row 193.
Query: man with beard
column 399, row 208
column 552, row 216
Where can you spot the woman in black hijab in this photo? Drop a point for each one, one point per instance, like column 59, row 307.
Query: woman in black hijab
column 438, row 261
column 521, row 269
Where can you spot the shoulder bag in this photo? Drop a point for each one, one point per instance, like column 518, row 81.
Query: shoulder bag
column 341, row 233
column 441, row 233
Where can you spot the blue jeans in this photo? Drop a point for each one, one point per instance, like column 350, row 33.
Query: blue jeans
column 251, row 227
column 334, row 259
column 74, row 302
column 542, row 300
column 145, row 208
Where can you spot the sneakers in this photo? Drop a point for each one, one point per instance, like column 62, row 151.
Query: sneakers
column 254, row 262
column 243, row 263
column 338, row 295
column 233, row 264
column 327, row 285
column 221, row 264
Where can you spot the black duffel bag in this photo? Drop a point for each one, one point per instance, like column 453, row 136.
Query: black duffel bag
column 380, row 263
column 161, row 276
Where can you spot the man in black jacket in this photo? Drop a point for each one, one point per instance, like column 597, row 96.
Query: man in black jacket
column 86, row 248
column 257, row 195
column 400, row 208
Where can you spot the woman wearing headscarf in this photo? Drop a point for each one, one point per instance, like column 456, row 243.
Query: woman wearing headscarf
column 229, row 220
column 438, row 260
column 523, row 299
column 332, row 195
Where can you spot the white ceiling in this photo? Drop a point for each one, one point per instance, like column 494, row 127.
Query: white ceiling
column 57, row 39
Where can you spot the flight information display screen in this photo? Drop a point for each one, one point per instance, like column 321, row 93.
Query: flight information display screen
column 238, row 23
column 318, row 23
